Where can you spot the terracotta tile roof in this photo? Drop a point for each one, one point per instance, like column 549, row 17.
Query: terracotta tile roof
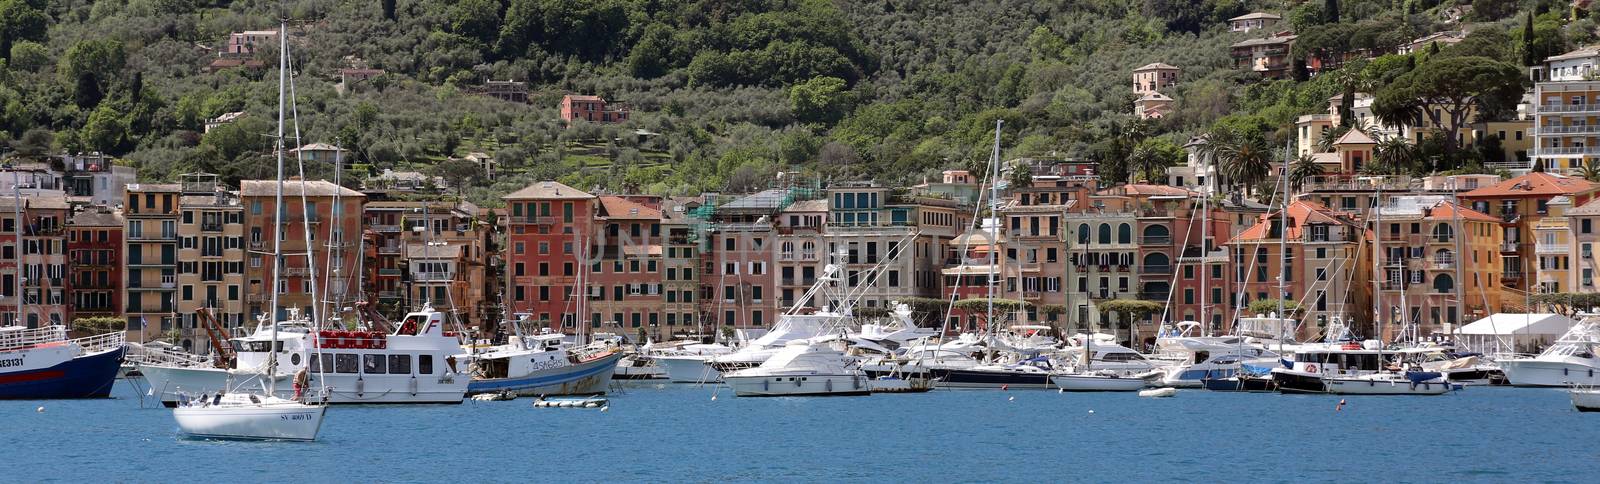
column 1535, row 184
column 1591, row 208
column 291, row 188
column 1300, row 213
column 548, row 190
column 1154, row 66
column 1146, row 190
column 583, row 97
column 1447, row 211
column 623, row 209
column 1255, row 15
column 1354, row 137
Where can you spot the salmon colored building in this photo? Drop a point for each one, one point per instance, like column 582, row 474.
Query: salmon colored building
column 548, row 227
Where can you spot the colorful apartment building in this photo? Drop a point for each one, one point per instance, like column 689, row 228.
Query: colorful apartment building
column 320, row 225
column 680, row 262
column 1321, row 263
column 1268, row 56
column 624, row 284
column 94, row 252
column 151, row 212
column 549, row 227
column 33, row 255
column 1583, row 230
column 211, row 261
column 1154, row 77
column 1520, row 203
column 1440, row 264
column 408, row 238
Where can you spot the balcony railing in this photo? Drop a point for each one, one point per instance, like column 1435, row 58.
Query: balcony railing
column 1154, row 295
column 389, row 272
column 541, row 220
column 386, row 228
column 1568, row 108
column 1155, row 269
column 1568, row 150
column 1545, row 248
column 388, row 294
column 1512, row 275
column 394, row 250
column 296, row 272
column 1508, row 247
column 153, row 236
column 433, row 276
column 1156, row 240
column 1442, row 264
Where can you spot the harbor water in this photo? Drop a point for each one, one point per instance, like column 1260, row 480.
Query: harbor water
column 660, row 432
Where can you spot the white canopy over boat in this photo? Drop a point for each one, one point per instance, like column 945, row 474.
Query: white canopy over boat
column 1505, row 332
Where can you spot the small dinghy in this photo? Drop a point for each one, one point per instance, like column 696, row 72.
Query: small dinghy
column 1158, row 392
column 571, row 402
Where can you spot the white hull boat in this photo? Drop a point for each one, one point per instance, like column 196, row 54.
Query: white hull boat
column 249, row 417
column 1545, row 372
column 1386, row 384
column 1162, row 392
column 1586, row 399
column 688, row 369
column 1094, row 382
column 800, row 369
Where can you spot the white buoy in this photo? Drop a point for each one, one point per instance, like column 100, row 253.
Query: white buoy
column 1091, row 412
column 713, row 398
column 40, row 409
column 1012, row 399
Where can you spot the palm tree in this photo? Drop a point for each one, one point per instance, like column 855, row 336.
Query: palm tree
column 1325, row 143
column 1148, row 163
column 1304, row 168
column 1590, row 170
column 1245, row 161
column 1396, row 155
column 1208, row 150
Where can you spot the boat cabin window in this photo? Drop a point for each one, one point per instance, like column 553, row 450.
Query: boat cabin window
column 319, row 363
column 254, row 346
column 346, row 363
column 1121, row 357
column 425, row 364
column 1200, row 356
column 400, row 364
column 374, row 364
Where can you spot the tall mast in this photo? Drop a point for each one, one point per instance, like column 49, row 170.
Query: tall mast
column 994, row 217
column 1381, row 273
column 1205, row 249
column 277, row 212
column 16, row 212
column 1460, row 260
column 1283, row 237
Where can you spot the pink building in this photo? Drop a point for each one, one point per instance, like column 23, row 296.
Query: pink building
column 592, row 109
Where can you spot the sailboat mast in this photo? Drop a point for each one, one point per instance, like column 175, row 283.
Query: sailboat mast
column 277, row 213
column 1460, row 260
column 1205, row 266
column 1283, row 237
column 16, row 211
column 994, row 217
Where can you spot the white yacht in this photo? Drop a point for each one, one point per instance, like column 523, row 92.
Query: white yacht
column 414, row 364
column 1196, row 358
column 1388, row 383
column 1585, row 398
column 1570, row 360
column 248, row 416
column 800, row 368
column 687, row 363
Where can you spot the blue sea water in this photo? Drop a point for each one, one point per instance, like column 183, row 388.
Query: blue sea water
column 677, row 433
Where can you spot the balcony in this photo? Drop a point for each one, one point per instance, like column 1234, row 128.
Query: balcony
column 1156, row 240
column 296, row 272
column 1154, row 295
column 257, row 245
column 1568, row 108
column 1155, row 269
column 1566, row 150
column 394, row 250
column 1509, row 247
column 539, row 220
column 385, row 228
column 1555, row 130
column 255, row 298
column 1547, row 248
column 211, row 227
column 1442, row 264
column 433, row 276
column 388, row 295
column 143, row 237
column 1511, row 275
column 389, row 272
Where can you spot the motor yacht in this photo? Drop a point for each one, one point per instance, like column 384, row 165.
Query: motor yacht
column 800, row 368
column 1571, row 359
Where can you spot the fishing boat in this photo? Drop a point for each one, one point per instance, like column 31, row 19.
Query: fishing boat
column 1571, row 359
column 801, row 368
column 42, row 363
column 543, row 364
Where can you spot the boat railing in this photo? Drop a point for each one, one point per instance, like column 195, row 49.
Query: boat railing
column 144, row 355
column 22, row 338
column 101, row 342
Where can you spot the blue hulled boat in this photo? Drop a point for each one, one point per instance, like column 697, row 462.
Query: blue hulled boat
column 41, row 363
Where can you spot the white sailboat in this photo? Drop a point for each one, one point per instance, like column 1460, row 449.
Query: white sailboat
column 1090, row 380
column 246, row 415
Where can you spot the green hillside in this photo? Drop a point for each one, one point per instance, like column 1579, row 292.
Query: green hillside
column 892, row 90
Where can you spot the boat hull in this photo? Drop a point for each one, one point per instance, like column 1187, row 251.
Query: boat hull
column 267, row 422
column 966, row 378
column 587, row 378
column 794, row 386
column 1542, row 373
column 1097, row 383
column 688, row 369
column 343, row 389
column 1240, row 384
column 1586, row 400
column 1363, row 386
column 87, row 376
column 1296, row 382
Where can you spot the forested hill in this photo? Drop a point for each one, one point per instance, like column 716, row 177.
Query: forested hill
column 738, row 90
